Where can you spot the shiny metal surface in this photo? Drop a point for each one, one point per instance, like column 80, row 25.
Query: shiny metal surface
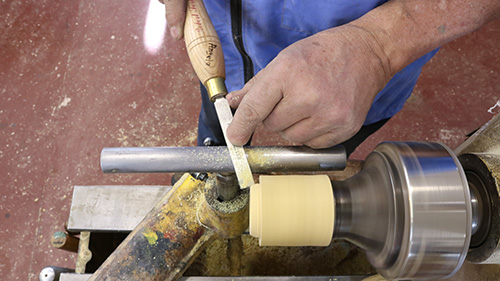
column 410, row 209
column 482, row 172
column 217, row 159
column 106, row 208
column 227, row 186
column 237, row 153
column 479, row 208
column 366, row 211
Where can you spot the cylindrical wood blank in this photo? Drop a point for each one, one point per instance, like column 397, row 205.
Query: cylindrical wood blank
column 296, row 210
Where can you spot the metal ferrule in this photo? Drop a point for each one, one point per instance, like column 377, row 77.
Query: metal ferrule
column 216, row 88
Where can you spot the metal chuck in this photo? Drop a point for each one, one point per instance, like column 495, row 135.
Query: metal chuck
column 409, row 208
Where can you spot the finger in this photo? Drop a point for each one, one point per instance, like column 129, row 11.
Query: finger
column 286, row 113
column 331, row 137
column 305, row 130
column 234, row 98
column 324, row 141
column 260, row 99
column 175, row 12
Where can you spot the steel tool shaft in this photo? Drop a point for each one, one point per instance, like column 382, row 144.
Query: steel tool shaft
column 240, row 163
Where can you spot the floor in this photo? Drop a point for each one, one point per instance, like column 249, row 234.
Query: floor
column 77, row 76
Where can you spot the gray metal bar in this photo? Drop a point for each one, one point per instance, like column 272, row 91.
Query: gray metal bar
column 204, row 159
column 85, row 277
column 112, row 208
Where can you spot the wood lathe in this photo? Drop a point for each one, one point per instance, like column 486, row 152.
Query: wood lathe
column 417, row 209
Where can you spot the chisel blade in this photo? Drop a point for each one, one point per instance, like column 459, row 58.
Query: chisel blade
column 238, row 157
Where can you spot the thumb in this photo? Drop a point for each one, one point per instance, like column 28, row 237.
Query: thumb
column 175, row 12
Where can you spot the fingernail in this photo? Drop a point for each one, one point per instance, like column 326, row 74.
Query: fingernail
column 174, row 32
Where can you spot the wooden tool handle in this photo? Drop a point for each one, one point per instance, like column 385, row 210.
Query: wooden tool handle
column 202, row 43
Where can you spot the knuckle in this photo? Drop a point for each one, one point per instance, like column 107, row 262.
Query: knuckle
column 268, row 124
column 339, row 119
column 324, row 141
column 250, row 113
column 286, row 136
column 173, row 17
column 287, row 56
column 309, row 102
column 175, row 9
column 284, row 64
column 272, row 125
column 352, row 125
column 236, row 137
column 314, row 145
column 295, row 136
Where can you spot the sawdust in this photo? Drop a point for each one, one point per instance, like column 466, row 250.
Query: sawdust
column 260, row 158
column 229, row 206
column 339, row 258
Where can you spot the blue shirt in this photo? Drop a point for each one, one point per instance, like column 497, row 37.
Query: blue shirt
column 269, row 26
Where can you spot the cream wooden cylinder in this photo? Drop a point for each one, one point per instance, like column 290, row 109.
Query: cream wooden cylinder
column 296, row 210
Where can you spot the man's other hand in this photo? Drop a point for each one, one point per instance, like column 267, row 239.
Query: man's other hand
column 316, row 92
column 175, row 12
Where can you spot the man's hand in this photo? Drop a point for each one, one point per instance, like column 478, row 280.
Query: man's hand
column 316, row 92
column 175, row 12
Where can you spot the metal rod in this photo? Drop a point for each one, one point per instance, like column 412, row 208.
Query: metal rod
column 227, row 186
column 217, row 159
column 65, row 241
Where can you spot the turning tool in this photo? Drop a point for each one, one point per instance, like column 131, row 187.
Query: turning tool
column 205, row 52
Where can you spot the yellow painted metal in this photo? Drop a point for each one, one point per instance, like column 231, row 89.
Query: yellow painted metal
column 166, row 242
column 228, row 219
